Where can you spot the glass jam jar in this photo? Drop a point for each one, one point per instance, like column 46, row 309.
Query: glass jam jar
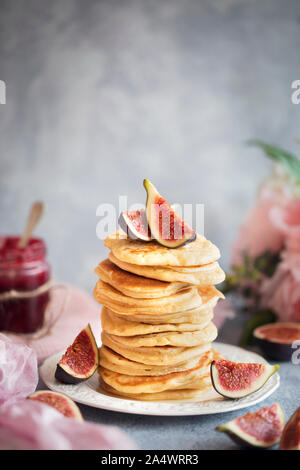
column 24, row 285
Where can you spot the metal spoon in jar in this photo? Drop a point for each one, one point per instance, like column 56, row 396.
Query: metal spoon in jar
column 35, row 214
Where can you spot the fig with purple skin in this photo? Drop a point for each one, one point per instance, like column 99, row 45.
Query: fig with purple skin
column 290, row 439
column 59, row 401
column 166, row 226
column 237, row 380
column 80, row 360
column 276, row 339
column 261, row 428
column 135, row 225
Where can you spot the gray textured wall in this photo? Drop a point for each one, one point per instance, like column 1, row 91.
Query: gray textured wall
column 101, row 94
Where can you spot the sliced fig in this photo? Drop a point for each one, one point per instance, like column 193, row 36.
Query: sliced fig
column 59, row 401
column 237, row 380
column 135, row 224
column 81, row 359
column 290, row 438
column 261, row 428
column 166, row 226
column 276, row 339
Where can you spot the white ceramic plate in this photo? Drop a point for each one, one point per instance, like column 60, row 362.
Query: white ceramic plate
column 88, row 392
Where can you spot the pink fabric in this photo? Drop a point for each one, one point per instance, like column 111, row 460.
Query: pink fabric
column 27, row 424
column 81, row 309
column 18, row 370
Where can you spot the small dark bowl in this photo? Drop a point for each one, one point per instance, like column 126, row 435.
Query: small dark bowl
column 276, row 339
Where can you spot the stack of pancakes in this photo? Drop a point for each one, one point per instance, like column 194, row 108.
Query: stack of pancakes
column 157, row 315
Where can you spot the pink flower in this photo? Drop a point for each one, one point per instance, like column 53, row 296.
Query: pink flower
column 287, row 219
column 281, row 293
column 259, row 233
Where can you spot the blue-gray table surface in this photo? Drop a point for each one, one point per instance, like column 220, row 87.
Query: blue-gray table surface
column 197, row 432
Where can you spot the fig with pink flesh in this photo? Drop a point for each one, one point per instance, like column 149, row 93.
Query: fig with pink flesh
column 81, row 359
column 135, row 225
column 166, row 226
column 290, row 439
column 59, row 401
column 276, row 339
column 237, row 380
column 261, row 428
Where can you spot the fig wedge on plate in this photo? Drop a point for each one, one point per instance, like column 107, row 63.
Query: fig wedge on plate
column 80, row 360
column 276, row 339
column 261, row 428
column 290, row 438
column 59, row 401
column 237, row 380
column 135, row 225
column 166, row 226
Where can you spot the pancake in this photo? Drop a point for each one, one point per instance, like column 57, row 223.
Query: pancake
column 192, row 269
column 207, row 274
column 203, row 393
column 200, row 251
column 201, row 303
column 153, row 384
column 111, row 360
column 173, row 338
column 199, row 389
column 119, row 303
column 164, row 355
column 116, row 325
column 157, row 329
column 136, row 286
column 195, row 316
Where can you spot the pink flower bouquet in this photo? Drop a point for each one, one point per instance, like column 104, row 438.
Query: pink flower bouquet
column 265, row 269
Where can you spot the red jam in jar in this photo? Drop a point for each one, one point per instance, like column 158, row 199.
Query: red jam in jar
column 24, row 285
